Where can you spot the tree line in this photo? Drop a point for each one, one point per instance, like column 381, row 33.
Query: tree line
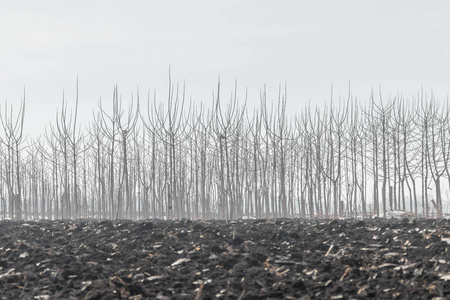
column 171, row 159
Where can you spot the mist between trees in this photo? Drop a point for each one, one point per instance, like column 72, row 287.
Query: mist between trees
column 175, row 159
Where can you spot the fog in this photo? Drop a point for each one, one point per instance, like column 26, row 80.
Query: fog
column 311, row 47
column 324, row 109
column 175, row 159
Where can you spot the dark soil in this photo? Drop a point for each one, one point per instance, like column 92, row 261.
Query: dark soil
column 252, row 259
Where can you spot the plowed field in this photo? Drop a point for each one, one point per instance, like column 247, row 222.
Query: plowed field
column 248, row 259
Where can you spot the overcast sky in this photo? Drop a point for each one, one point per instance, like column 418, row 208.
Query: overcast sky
column 311, row 45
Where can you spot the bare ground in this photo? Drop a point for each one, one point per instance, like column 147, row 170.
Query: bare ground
column 248, row 259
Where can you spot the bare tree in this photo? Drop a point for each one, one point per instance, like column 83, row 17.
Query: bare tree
column 13, row 139
column 172, row 131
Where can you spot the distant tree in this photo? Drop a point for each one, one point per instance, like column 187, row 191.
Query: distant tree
column 13, row 138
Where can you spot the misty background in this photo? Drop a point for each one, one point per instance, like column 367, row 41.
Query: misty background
column 401, row 46
column 304, row 60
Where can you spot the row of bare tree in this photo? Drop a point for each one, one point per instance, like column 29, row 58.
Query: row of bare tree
column 174, row 159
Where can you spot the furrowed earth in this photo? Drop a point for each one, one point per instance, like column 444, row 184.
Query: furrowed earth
column 246, row 259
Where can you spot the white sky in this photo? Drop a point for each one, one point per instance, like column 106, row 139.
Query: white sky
column 400, row 45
